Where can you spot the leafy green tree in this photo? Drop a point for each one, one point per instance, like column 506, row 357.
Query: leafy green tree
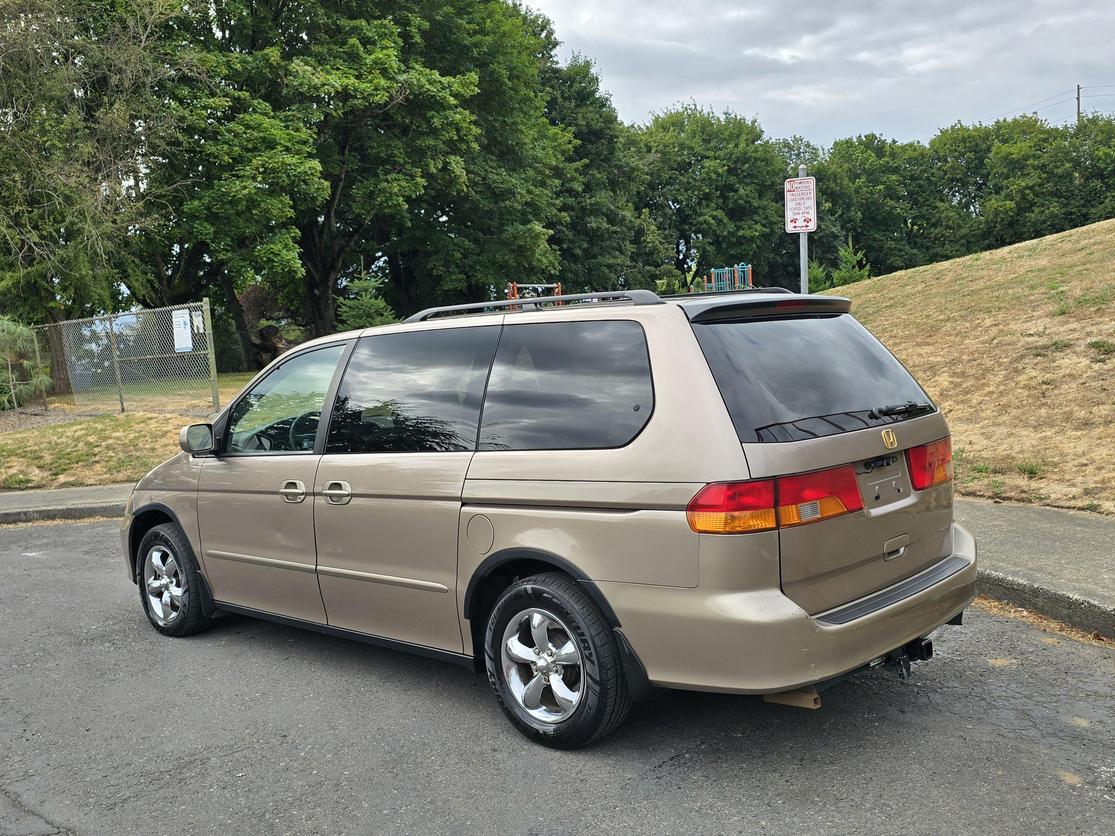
column 595, row 230
column 83, row 121
column 713, row 188
column 463, row 239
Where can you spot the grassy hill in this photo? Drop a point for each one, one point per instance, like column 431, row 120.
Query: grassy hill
column 1017, row 345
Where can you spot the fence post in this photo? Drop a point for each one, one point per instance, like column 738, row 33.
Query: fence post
column 39, row 366
column 115, row 362
column 209, row 350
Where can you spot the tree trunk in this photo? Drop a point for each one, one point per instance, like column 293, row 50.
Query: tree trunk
column 320, row 283
column 405, row 284
column 59, row 368
column 247, row 348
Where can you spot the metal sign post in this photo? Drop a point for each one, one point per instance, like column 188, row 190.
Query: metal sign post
column 801, row 217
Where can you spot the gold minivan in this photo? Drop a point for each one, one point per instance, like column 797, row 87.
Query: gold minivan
column 589, row 497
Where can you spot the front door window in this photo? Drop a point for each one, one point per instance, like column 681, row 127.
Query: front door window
column 282, row 412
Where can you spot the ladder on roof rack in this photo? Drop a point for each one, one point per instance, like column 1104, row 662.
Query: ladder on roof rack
column 635, row 297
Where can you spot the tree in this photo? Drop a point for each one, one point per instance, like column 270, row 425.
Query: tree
column 820, row 277
column 851, row 265
column 713, row 188
column 363, row 307
column 463, row 240
column 84, row 119
column 21, row 377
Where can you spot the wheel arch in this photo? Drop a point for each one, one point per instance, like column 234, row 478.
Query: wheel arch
column 145, row 518
column 500, row 569
column 521, row 562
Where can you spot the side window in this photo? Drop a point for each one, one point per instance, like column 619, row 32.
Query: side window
column 418, row 391
column 567, row 385
column 281, row 413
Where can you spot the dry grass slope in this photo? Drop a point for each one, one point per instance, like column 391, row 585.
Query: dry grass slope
column 1017, row 345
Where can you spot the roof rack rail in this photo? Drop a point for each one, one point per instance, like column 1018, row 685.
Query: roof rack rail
column 636, row 297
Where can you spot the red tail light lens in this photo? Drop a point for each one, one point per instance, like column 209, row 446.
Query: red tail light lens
column 930, row 464
column 741, row 507
column 809, row 497
column 733, row 508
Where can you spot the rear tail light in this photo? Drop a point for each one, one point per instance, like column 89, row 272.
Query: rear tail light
column 733, row 508
column 809, row 497
column 930, row 464
column 766, row 504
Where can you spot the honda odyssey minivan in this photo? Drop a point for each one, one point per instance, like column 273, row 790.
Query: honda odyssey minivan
column 588, row 497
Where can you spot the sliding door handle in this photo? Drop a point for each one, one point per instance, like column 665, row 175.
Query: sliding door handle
column 337, row 493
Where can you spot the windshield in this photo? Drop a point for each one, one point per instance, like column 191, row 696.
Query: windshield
column 794, row 379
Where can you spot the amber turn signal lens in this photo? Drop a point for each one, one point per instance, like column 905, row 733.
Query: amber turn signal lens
column 733, row 508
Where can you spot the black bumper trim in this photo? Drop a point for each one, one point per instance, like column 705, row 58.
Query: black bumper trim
column 893, row 594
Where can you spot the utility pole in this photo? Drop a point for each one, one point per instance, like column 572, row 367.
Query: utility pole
column 803, row 248
column 1078, row 112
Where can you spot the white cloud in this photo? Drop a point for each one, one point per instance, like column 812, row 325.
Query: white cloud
column 825, row 69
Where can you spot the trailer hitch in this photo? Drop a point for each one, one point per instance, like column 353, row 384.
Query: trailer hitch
column 919, row 650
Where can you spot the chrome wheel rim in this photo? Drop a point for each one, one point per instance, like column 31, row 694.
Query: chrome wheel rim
column 542, row 665
column 165, row 585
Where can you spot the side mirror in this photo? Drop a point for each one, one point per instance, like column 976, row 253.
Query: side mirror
column 196, row 439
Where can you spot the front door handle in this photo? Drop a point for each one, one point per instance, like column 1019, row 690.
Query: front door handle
column 293, row 490
column 337, row 493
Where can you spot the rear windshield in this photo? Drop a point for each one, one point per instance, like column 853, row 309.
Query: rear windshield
column 794, row 379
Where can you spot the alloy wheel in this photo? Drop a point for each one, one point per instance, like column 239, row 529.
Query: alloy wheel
column 165, row 585
column 542, row 665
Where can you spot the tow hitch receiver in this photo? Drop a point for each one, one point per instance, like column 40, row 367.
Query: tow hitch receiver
column 919, row 650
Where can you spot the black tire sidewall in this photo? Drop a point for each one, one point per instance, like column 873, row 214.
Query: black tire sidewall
column 170, row 537
column 590, row 714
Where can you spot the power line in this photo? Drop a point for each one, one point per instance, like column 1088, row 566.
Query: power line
column 1069, row 93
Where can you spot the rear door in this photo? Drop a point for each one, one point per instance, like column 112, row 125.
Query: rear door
column 819, row 395
column 388, row 490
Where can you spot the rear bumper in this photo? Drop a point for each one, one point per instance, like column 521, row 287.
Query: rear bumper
column 759, row 641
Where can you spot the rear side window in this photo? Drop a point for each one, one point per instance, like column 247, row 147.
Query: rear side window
column 795, row 379
column 568, row 385
column 413, row 392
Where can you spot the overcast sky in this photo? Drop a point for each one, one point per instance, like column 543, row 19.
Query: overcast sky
column 826, row 69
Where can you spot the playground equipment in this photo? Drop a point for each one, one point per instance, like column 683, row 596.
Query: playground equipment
column 516, row 290
column 736, row 277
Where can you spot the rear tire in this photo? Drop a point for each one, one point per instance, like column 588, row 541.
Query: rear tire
column 554, row 664
column 169, row 581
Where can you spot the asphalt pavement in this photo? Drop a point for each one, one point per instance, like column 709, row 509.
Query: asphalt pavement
column 108, row 727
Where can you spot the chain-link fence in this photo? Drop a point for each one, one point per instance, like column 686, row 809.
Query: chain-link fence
column 157, row 359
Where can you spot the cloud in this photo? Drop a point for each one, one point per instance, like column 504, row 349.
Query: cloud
column 827, row 69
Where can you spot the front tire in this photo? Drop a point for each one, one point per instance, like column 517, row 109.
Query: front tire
column 170, row 582
column 554, row 663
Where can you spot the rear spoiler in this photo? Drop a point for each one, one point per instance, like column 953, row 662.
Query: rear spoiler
column 756, row 307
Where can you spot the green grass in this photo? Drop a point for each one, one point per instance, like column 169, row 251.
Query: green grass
column 1051, row 347
column 1102, row 348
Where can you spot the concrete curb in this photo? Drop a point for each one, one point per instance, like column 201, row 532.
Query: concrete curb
column 65, row 512
column 1073, row 610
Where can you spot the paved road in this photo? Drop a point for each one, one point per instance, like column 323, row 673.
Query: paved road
column 106, row 727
